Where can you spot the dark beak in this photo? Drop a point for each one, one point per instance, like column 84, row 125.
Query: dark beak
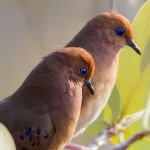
column 89, row 85
column 133, row 45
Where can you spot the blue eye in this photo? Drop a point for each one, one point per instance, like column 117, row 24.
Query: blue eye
column 119, row 31
column 83, row 71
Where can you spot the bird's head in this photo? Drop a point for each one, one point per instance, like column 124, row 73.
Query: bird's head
column 116, row 29
column 80, row 66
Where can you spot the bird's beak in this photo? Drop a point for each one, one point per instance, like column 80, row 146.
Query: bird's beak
column 89, row 85
column 133, row 45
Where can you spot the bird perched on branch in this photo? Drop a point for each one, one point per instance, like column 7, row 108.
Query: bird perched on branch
column 103, row 36
column 42, row 114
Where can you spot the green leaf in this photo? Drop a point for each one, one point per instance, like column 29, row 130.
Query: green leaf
column 143, row 143
column 137, row 99
column 146, row 117
column 115, row 102
column 129, row 120
column 133, row 80
column 98, row 126
column 107, row 113
column 146, row 56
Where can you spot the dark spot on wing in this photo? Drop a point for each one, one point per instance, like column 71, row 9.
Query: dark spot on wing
column 33, row 136
column 30, row 137
column 33, row 144
column 38, row 131
column 21, row 137
column 24, row 148
column 28, row 131
column 46, row 135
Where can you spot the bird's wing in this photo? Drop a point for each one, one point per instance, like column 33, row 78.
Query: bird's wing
column 64, row 117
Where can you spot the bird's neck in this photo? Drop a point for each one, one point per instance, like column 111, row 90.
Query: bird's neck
column 99, row 47
column 105, row 55
column 40, row 88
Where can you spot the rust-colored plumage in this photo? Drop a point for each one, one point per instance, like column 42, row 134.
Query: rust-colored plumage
column 85, row 56
column 42, row 114
column 112, row 21
column 103, row 36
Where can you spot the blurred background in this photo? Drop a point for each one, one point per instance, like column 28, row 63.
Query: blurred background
column 30, row 29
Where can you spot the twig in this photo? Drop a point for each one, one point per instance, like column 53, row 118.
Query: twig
column 102, row 138
column 135, row 138
column 72, row 146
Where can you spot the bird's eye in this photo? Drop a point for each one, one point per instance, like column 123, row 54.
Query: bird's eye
column 119, row 31
column 83, row 71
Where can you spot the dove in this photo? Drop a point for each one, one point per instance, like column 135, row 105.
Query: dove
column 43, row 112
column 103, row 37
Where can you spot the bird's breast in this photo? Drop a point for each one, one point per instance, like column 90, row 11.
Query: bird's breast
column 92, row 106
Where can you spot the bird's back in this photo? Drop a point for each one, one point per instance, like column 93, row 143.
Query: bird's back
column 29, row 112
column 30, row 130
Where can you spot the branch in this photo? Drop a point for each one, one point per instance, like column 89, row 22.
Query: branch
column 131, row 140
column 100, row 140
column 72, row 146
column 103, row 138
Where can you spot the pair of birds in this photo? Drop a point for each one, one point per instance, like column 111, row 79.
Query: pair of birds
column 52, row 106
